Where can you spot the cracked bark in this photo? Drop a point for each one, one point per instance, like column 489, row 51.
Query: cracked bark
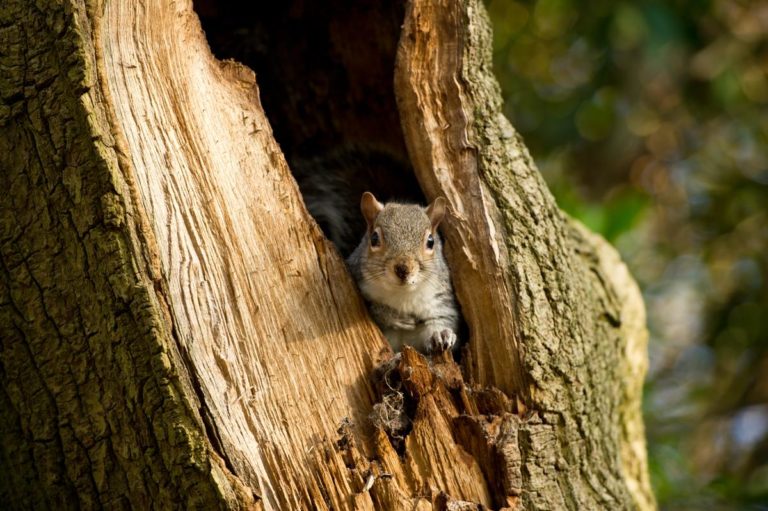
column 175, row 331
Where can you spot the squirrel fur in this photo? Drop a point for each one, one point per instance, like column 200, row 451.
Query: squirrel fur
column 401, row 271
column 333, row 182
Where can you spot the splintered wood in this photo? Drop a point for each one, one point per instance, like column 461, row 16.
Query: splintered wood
column 437, row 119
column 272, row 334
column 275, row 339
column 267, row 339
column 460, row 451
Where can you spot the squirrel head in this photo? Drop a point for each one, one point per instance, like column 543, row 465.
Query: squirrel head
column 402, row 241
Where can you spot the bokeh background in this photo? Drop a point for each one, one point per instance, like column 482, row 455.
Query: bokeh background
column 649, row 121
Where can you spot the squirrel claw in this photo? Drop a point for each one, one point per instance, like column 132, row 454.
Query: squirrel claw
column 442, row 340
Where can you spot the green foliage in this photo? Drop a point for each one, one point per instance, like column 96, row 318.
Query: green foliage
column 649, row 120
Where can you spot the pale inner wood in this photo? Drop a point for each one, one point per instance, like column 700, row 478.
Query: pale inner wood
column 273, row 325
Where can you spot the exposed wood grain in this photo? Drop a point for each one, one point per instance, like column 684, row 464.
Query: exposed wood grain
column 245, row 274
column 272, row 329
column 96, row 412
column 553, row 319
column 436, row 119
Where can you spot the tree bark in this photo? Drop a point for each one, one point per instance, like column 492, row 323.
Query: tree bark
column 177, row 332
column 563, row 326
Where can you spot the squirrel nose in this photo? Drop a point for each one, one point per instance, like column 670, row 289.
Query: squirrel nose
column 401, row 271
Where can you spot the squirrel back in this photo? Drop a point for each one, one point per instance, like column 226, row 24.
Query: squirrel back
column 401, row 271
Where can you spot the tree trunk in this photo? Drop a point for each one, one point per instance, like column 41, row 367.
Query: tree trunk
column 177, row 332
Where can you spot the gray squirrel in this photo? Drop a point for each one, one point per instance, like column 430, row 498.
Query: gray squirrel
column 401, row 271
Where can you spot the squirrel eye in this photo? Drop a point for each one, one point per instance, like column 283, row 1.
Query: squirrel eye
column 430, row 242
column 375, row 240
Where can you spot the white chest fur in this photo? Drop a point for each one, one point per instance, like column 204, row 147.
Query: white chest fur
column 414, row 300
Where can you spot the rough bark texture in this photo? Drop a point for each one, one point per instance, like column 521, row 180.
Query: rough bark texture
column 553, row 327
column 176, row 331
column 97, row 409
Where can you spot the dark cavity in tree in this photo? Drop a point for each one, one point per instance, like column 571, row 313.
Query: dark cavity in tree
column 325, row 74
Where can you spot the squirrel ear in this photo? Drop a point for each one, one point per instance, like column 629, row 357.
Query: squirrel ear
column 370, row 207
column 436, row 211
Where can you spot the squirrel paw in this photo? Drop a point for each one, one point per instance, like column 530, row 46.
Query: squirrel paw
column 442, row 340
